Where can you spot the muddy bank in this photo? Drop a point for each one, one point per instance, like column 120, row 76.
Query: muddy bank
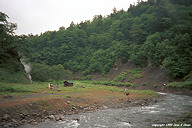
column 36, row 112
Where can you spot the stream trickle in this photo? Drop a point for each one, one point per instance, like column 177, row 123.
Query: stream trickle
column 170, row 108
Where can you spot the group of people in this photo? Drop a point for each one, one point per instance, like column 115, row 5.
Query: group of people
column 51, row 85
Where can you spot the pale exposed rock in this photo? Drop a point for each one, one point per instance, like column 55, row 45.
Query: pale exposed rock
column 51, row 117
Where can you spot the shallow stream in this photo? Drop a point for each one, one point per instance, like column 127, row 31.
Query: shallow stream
column 170, row 108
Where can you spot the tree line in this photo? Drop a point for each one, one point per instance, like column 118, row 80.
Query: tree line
column 151, row 33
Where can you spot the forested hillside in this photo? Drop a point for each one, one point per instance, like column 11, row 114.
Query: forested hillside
column 11, row 68
column 153, row 33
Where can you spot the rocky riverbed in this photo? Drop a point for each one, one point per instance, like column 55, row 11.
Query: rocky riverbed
column 169, row 111
column 32, row 113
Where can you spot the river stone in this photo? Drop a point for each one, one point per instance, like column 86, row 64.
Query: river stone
column 74, row 108
column 77, row 119
column 34, row 123
column 6, row 117
column 51, row 117
column 13, row 120
column 57, row 118
column 62, row 118
column 8, row 125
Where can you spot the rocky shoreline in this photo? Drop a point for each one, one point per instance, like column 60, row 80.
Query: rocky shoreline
column 29, row 114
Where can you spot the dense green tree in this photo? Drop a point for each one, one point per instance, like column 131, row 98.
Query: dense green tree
column 9, row 58
column 11, row 68
column 43, row 72
column 155, row 31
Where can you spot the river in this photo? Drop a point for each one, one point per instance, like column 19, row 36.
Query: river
column 161, row 113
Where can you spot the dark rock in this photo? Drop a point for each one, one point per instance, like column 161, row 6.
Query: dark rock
column 57, row 118
column 22, row 116
column 35, row 114
column 7, row 96
column 24, row 121
column 6, row 117
column 77, row 119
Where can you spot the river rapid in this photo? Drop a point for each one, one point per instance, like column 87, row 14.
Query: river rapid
column 163, row 112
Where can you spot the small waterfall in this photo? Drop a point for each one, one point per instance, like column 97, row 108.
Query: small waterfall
column 27, row 70
column 30, row 78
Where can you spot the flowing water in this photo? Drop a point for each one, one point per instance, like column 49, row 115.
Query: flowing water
column 165, row 111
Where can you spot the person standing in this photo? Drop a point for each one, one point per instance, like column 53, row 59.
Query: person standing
column 163, row 87
column 51, row 86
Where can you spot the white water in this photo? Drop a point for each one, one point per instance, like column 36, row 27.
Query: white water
column 27, row 70
column 170, row 108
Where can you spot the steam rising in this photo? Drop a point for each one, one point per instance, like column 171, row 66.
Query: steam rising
column 27, row 70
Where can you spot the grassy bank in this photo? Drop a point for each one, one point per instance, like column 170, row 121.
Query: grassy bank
column 19, row 89
column 82, row 93
column 79, row 86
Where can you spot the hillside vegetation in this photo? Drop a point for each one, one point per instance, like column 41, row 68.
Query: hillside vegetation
column 156, row 33
column 11, row 68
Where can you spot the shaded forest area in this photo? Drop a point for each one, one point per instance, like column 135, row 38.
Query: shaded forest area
column 156, row 33
column 11, row 68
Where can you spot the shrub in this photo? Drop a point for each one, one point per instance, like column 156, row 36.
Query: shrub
column 111, row 83
column 186, row 84
column 144, row 83
column 156, row 85
column 13, row 77
column 68, row 96
column 42, row 72
column 88, row 77
column 121, row 77
column 135, row 74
